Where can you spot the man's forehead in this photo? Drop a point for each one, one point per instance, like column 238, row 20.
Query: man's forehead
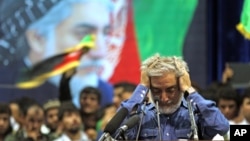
column 246, row 100
column 91, row 13
column 35, row 110
column 67, row 113
column 166, row 79
column 4, row 115
column 84, row 95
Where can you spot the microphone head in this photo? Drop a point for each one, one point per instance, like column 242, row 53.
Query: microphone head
column 133, row 121
column 146, row 99
column 156, row 98
column 115, row 122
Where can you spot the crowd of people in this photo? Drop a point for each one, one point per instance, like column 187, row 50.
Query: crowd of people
column 60, row 119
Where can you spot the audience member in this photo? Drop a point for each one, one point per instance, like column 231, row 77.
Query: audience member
column 90, row 99
column 18, row 106
column 122, row 91
column 5, row 125
column 32, row 122
column 16, row 115
column 69, row 117
column 245, row 105
column 228, row 101
column 51, row 109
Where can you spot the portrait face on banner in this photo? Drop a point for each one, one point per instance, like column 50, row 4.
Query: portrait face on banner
column 110, row 29
column 32, row 32
column 104, row 18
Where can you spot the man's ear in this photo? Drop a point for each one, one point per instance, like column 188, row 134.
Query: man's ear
column 35, row 41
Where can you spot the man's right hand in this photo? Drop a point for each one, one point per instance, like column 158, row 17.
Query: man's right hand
column 69, row 73
column 227, row 73
column 144, row 79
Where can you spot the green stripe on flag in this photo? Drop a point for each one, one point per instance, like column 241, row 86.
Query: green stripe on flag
column 244, row 26
column 161, row 25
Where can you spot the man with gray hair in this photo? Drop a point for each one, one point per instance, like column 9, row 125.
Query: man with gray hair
column 165, row 80
column 36, row 30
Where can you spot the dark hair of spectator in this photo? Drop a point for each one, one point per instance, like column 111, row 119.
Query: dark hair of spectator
column 66, row 106
column 5, row 109
column 91, row 90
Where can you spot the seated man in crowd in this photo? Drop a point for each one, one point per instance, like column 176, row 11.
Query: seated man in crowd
column 5, row 126
column 69, row 117
column 32, row 121
column 122, row 91
column 52, row 126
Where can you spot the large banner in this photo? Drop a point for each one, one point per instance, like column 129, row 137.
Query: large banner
column 154, row 26
column 127, row 32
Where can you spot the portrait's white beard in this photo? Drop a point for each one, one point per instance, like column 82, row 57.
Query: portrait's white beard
column 89, row 65
column 78, row 82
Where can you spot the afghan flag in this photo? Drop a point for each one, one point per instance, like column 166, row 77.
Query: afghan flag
column 55, row 65
column 153, row 26
column 244, row 26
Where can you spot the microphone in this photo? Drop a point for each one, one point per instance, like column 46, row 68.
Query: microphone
column 194, row 127
column 131, row 122
column 114, row 123
column 157, row 99
column 145, row 101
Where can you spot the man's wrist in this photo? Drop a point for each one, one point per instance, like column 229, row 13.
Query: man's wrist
column 190, row 90
column 144, row 85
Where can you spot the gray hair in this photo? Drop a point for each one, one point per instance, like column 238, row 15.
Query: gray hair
column 157, row 65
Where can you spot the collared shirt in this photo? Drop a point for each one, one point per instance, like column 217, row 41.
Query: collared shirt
column 65, row 137
column 209, row 120
column 243, row 122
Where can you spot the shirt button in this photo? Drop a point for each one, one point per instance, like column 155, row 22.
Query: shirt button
column 143, row 91
column 167, row 117
column 167, row 134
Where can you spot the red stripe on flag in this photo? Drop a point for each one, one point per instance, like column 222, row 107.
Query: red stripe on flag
column 128, row 69
column 74, row 56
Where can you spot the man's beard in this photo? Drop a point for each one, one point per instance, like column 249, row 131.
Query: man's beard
column 52, row 128
column 169, row 109
column 74, row 130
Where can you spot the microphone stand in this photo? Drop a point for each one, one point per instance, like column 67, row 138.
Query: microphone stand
column 105, row 137
column 145, row 101
column 156, row 99
column 120, row 136
column 192, row 119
